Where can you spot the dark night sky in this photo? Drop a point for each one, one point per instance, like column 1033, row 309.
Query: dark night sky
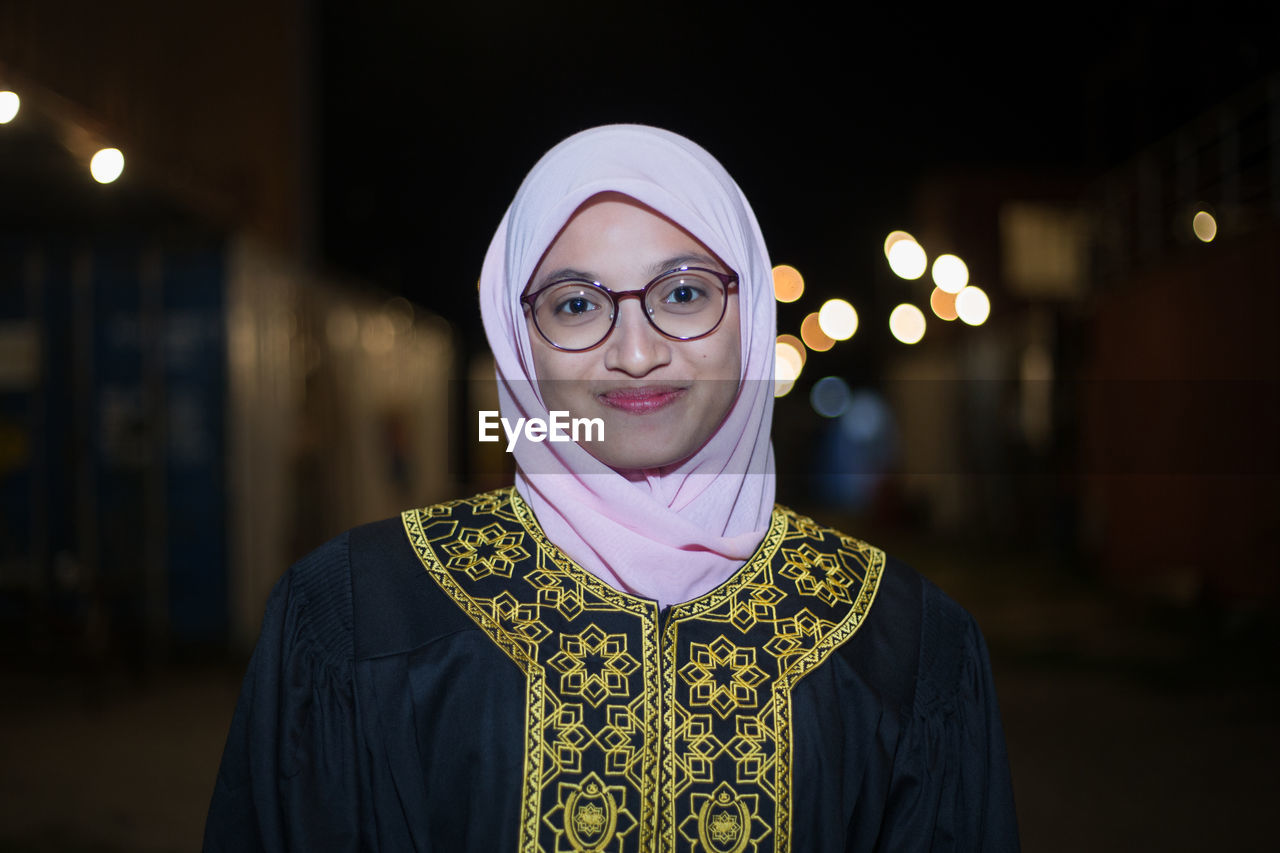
column 430, row 114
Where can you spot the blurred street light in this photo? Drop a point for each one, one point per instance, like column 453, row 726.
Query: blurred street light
column 9, row 105
column 907, row 323
column 1205, row 226
column 838, row 319
column 795, row 344
column 943, row 304
column 814, row 338
column 106, row 165
column 950, row 273
column 973, row 306
column 786, row 370
column 788, row 284
column 907, row 259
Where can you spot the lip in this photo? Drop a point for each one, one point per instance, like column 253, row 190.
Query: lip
column 641, row 400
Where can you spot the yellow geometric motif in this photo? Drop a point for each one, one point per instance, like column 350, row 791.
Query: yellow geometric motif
column 589, row 816
column 640, row 739
column 724, row 821
column 594, row 665
column 485, row 551
column 722, row 676
column 817, row 574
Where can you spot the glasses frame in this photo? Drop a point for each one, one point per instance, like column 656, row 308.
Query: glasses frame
column 729, row 281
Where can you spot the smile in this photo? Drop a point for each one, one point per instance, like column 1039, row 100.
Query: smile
column 641, row 401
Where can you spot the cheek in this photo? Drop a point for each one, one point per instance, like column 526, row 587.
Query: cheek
column 725, row 359
column 557, row 375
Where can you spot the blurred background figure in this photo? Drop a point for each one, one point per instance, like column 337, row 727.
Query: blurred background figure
column 1026, row 317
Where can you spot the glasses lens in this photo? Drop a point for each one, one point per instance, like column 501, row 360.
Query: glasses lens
column 686, row 304
column 573, row 314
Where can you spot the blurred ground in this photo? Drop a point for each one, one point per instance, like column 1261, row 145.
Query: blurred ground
column 1129, row 727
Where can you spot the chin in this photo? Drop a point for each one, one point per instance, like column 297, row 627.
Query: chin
column 632, row 446
column 633, row 458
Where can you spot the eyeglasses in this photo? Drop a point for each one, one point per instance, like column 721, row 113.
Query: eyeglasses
column 682, row 304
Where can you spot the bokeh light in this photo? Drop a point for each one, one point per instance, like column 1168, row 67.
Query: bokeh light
column 10, row 103
column 867, row 419
column 378, row 334
column 814, row 338
column 784, row 351
column 943, row 304
column 342, row 328
column 1205, row 226
column 829, row 396
column 788, row 284
column 837, row 319
column 907, row 323
column 400, row 310
column 786, row 371
column 907, row 259
column 795, row 344
column 895, row 236
column 973, row 306
column 106, row 165
column 950, row 273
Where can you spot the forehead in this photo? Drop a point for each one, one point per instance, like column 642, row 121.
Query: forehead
column 614, row 234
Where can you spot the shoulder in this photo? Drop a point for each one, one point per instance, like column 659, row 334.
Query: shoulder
column 397, row 605
column 311, row 604
column 914, row 639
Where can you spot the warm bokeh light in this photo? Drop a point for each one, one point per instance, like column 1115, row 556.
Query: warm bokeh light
column 378, row 334
column 907, row 323
column 794, row 360
column 895, row 236
column 814, row 338
column 829, row 396
column 400, row 310
column 837, row 319
column 950, row 273
column 907, row 259
column 796, row 344
column 785, row 373
column 106, row 165
column 1205, row 226
column 9, row 105
column 342, row 328
column 943, row 304
column 973, row 306
column 788, row 284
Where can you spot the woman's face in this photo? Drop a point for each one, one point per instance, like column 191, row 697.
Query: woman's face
column 660, row 399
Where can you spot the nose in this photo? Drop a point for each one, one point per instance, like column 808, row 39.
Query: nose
column 635, row 347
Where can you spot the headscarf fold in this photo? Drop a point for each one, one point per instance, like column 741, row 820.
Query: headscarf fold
column 670, row 534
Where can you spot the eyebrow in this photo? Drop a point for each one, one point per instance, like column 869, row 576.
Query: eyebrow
column 679, row 261
column 652, row 270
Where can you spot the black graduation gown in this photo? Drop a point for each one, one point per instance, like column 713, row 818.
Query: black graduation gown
column 449, row 681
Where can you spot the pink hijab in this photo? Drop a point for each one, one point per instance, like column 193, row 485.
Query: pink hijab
column 674, row 533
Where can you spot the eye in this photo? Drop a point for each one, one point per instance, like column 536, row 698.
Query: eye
column 575, row 305
column 571, row 302
column 685, row 293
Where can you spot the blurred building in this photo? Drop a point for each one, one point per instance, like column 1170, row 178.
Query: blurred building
column 1121, row 403
column 187, row 403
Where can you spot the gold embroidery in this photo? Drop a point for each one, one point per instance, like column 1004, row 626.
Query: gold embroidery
column 724, row 821
column 817, row 574
column 594, row 665
column 722, row 676
column 690, row 731
column 588, row 816
column 485, row 551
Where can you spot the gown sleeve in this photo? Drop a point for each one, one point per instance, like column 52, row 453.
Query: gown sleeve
column 288, row 775
column 951, row 789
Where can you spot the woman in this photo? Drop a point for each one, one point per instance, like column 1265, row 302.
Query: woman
column 633, row 649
